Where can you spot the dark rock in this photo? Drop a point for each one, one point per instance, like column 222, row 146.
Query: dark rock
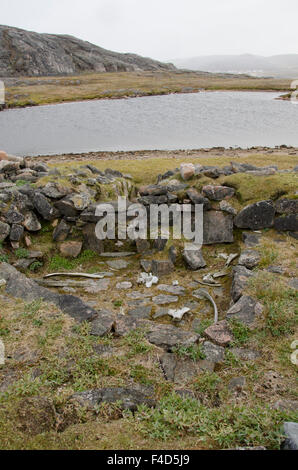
column 162, row 267
column 241, row 276
column 245, row 310
column 16, row 232
column 143, row 246
column 103, row 323
column 125, row 324
column 294, row 235
column 175, row 290
column 114, row 173
column 40, row 167
column 4, row 231
column 226, row 207
column 129, row 398
column 286, row 206
column 61, row 231
column 180, row 370
column 212, row 172
column 66, row 207
column 173, row 254
column 256, row 216
column 19, row 286
column 148, row 200
column 75, row 307
column 251, row 239
column 194, row 259
column 218, row 193
column 153, row 190
column 218, row 228
column 159, row 243
column 275, row 269
column 286, row 223
column 14, row 217
column 249, row 258
column 242, row 167
column 140, row 312
column 91, row 241
column 36, row 415
column 213, row 352
column 44, row 208
column 169, row 337
column 174, row 186
column 197, row 198
column 146, row 265
column 163, row 299
column 55, row 191
column 291, row 432
column 23, row 264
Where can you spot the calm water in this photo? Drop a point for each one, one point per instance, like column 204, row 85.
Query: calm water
column 183, row 121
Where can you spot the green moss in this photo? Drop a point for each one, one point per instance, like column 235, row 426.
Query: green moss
column 225, row 427
column 251, row 188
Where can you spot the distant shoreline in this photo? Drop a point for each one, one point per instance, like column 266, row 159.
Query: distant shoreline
column 36, row 91
column 281, row 151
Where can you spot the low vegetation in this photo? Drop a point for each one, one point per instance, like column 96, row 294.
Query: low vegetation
column 47, row 90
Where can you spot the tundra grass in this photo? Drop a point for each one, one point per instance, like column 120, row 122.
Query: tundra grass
column 48, row 90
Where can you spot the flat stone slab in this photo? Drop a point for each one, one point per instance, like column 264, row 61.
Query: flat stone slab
column 241, row 276
column 256, row 216
column 128, row 398
column 180, row 370
column 249, row 258
column 135, row 295
column 140, row 312
column 168, row 336
column 103, row 323
column 246, row 354
column 117, row 264
column 97, row 286
column 19, row 286
column 124, row 285
column 175, row 290
column 118, row 254
column 245, row 310
column 213, row 352
column 164, row 299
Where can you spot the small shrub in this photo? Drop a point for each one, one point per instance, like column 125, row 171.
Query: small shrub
column 240, row 331
column 21, row 253
column 193, row 352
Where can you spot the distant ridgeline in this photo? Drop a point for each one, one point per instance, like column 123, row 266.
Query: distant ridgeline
column 25, row 53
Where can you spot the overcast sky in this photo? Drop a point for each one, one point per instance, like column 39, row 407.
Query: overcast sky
column 165, row 29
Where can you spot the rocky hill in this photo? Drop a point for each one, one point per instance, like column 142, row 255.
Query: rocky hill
column 26, row 53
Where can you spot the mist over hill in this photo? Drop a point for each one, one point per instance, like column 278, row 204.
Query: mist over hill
column 280, row 66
